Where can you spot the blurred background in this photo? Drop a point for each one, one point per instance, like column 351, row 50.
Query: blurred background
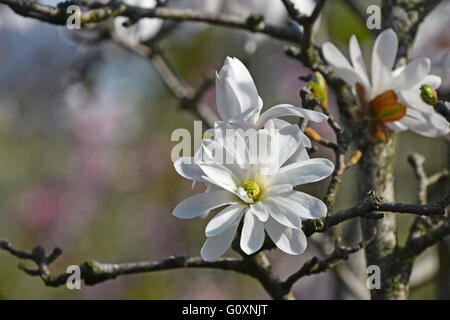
column 85, row 150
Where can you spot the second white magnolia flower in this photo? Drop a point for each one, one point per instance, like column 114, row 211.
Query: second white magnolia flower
column 390, row 97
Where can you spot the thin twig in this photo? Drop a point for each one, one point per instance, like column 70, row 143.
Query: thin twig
column 316, row 265
column 94, row 272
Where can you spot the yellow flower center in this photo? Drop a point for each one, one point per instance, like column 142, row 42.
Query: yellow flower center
column 252, row 189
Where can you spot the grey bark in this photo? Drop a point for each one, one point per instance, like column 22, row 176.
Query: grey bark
column 377, row 174
column 444, row 253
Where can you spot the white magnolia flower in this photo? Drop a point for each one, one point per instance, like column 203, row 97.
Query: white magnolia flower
column 239, row 104
column 141, row 31
column 390, row 97
column 258, row 190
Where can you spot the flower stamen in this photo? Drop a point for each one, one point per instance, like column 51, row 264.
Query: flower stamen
column 252, row 189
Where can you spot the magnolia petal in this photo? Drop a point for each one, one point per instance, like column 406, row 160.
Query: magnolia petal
column 209, row 187
column 216, row 152
column 396, row 126
column 187, row 168
column 428, row 125
column 245, row 116
column 243, row 195
column 306, row 206
column 305, row 140
column 228, row 105
column 413, row 74
column 247, row 92
column 260, row 211
column 358, row 61
column 433, row 81
column 236, row 91
column 223, row 220
column 278, row 189
column 440, row 123
column 300, row 155
column 244, row 101
column 413, row 100
column 284, row 110
column 282, row 213
column 232, row 139
column 270, row 125
column 196, row 205
column 252, row 237
column 219, row 175
column 215, row 247
column 307, row 171
column 280, row 124
column 290, row 138
column 340, row 64
column 288, row 240
column 383, row 59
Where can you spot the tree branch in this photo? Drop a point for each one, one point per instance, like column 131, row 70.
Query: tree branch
column 57, row 15
column 94, row 272
column 375, row 202
column 416, row 246
column 188, row 96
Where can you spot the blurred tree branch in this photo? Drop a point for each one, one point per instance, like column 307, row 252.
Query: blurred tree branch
column 189, row 97
column 58, row 16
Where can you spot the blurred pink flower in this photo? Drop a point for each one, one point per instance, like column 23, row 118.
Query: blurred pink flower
column 39, row 208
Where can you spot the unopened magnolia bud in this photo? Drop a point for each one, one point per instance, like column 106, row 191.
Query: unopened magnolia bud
column 355, row 158
column 313, row 135
column 428, row 95
column 319, row 88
